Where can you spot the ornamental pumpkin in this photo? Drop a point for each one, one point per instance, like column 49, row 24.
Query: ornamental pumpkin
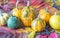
column 32, row 34
column 38, row 24
column 16, row 11
column 27, row 15
column 44, row 15
column 13, row 22
column 55, row 21
column 3, row 18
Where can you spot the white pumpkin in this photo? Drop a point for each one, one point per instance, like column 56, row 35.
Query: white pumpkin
column 3, row 18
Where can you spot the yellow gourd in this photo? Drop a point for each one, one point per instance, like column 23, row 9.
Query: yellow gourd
column 3, row 18
column 27, row 15
column 44, row 15
column 55, row 21
column 38, row 24
column 16, row 11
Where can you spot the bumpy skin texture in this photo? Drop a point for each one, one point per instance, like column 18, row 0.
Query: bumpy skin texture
column 55, row 22
column 27, row 15
column 38, row 25
column 16, row 12
column 3, row 19
column 44, row 15
column 13, row 22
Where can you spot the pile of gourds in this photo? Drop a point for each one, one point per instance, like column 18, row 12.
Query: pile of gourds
column 26, row 17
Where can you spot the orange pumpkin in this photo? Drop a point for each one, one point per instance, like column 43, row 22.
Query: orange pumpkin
column 45, row 15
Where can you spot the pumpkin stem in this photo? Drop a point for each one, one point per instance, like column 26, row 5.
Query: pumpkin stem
column 56, row 12
column 38, row 16
column 28, row 3
column 47, row 9
column 53, row 3
column 17, row 4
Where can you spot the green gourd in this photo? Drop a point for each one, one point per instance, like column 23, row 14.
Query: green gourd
column 13, row 22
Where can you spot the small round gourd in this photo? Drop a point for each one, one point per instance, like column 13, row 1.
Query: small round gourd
column 3, row 18
column 44, row 14
column 13, row 22
column 55, row 21
column 16, row 11
column 38, row 24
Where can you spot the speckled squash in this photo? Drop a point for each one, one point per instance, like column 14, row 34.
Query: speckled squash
column 16, row 12
column 38, row 24
column 13, row 22
column 3, row 19
column 44, row 15
column 27, row 15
